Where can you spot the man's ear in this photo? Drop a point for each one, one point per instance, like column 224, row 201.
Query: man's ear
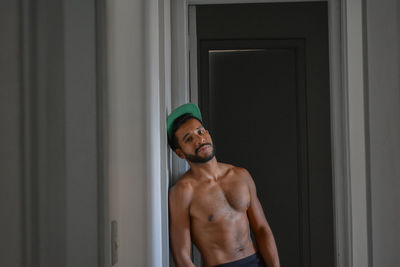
column 179, row 152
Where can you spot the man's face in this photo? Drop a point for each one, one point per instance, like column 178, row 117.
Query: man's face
column 195, row 142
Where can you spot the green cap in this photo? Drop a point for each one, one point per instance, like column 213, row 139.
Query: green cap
column 176, row 113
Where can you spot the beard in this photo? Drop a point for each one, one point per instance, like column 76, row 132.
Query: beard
column 198, row 159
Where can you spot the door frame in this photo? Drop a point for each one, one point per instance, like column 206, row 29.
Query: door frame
column 348, row 112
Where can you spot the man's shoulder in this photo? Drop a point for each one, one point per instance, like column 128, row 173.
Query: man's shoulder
column 237, row 171
column 183, row 187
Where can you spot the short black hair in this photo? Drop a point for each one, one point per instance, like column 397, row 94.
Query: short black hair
column 173, row 141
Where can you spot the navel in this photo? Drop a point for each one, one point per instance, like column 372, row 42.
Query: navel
column 210, row 218
column 240, row 249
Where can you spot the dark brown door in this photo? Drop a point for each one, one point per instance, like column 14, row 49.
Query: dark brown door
column 264, row 93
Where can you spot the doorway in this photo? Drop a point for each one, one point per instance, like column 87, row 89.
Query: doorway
column 263, row 88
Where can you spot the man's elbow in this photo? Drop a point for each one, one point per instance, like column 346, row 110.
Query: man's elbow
column 262, row 230
column 182, row 259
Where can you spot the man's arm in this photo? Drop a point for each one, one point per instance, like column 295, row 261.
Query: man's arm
column 179, row 223
column 259, row 225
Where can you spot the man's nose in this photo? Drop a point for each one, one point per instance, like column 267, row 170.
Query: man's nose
column 200, row 139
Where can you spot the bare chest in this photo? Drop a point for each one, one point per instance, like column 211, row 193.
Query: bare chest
column 217, row 202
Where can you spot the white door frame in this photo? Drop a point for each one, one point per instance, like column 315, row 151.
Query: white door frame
column 350, row 181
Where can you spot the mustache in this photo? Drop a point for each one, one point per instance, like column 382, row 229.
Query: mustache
column 205, row 144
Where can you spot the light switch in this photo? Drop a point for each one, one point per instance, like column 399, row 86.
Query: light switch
column 114, row 242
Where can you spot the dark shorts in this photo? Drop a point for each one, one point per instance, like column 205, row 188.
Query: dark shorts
column 254, row 260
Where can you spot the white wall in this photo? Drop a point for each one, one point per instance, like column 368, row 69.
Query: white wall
column 126, row 125
column 51, row 184
column 138, row 80
column 383, row 87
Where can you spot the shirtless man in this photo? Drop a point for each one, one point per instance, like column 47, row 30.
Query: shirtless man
column 213, row 203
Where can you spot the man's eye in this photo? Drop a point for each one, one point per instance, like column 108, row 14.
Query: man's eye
column 188, row 139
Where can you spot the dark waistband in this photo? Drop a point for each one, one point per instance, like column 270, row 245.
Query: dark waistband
column 242, row 262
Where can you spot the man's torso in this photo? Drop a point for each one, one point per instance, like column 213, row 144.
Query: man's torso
column 218, row 216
